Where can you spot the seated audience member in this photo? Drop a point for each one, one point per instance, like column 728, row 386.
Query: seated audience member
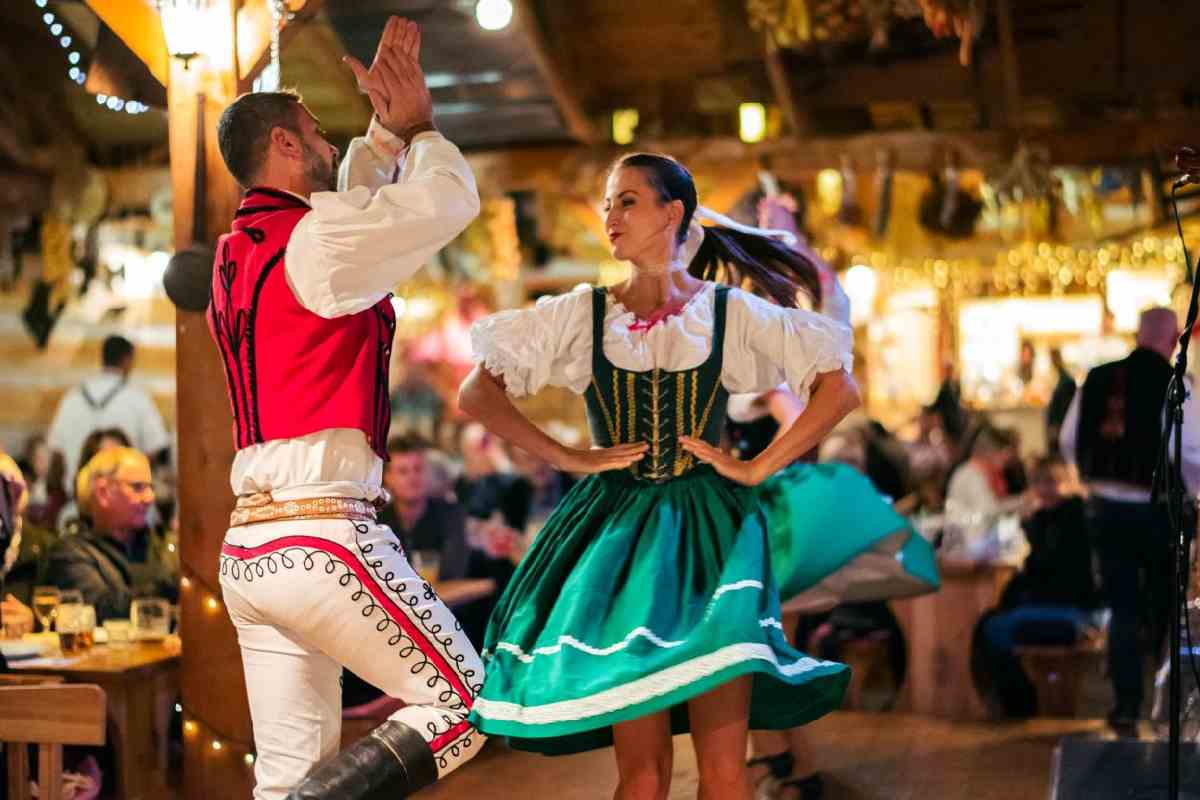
column 111, row 556
column 978, row 484
column 1049, row 602
column 420, row 521
column 16, row 618
column 489, row 486
column 44, row 475
column 94, row 442
column 549, row 487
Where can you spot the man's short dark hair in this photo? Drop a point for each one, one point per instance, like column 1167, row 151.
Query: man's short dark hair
column 408, row 443
column 115, row 350
column 246, row 125
column 1045, row 464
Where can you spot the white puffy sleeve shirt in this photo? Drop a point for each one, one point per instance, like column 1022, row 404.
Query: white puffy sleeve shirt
column 394, row 209
column 765, row 344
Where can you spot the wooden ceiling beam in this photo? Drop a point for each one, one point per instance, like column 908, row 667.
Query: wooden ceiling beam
column 1010, row 69
column 798, row 121
column 138, row 26
column 917, row 150
column 563, row 90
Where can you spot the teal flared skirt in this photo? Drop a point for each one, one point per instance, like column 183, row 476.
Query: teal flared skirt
column 835, row 539
column 635, row 598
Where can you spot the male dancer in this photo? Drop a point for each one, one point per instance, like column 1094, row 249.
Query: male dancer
column 301, row 315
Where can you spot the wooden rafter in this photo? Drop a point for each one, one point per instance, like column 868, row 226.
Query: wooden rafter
column 1009, row 68
column 137, row 24
column 561, row 88
column 797, row 120
column 915, row 150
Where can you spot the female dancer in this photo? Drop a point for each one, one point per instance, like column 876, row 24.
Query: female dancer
column 646, row 606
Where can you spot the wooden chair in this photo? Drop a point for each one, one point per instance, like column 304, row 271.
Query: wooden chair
column 868, row 658
column 48, row 713
column 1057, row 673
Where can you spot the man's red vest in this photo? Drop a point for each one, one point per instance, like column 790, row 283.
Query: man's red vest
column 289, row 371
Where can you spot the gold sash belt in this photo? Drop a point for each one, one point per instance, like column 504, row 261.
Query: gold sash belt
column 252, row 509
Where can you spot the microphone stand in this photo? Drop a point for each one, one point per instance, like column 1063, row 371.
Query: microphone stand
column 1176, row 500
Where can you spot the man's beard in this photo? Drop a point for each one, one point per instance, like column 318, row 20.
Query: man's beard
column 321, row 176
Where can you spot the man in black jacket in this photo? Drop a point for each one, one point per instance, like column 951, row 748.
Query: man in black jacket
column 1049, row 601
column 111, row 558
column 1113, row 431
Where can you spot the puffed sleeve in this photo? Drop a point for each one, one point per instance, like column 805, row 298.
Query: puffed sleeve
column 549, row 344
column 766, row 345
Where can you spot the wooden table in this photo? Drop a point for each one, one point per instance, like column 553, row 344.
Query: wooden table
column 141, row 682
column 937, row 633
column 460, row 592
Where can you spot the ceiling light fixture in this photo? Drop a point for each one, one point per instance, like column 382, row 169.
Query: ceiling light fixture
column 494, row 15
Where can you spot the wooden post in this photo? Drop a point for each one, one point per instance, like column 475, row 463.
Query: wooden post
column 798, row 123
column 1008, row 65
column 205, row 197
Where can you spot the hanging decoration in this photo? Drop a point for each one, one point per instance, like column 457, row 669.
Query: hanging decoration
column 962, row 18
column 849, row 211
column 786, row 22
column 885, row 170
column 879, row 14
column 1025, row 192
column 269, row 79
column 947, row 209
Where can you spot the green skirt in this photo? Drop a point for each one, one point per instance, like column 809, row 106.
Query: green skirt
column 635, row 598
column 835, row 539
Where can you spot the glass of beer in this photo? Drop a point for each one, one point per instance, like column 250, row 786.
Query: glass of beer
column 46, row 600
column 151, row 618
column 428, row 564
column 87, row 626
column 70, row 625
column 119, row 632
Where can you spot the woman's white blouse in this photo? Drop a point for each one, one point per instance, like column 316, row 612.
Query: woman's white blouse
column 550, row 344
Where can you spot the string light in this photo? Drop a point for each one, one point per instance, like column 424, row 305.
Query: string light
column 185, row 582
column 212, row 604
column 78, row 75
column 217, row 741
column 1035, row 268
column 178, row 708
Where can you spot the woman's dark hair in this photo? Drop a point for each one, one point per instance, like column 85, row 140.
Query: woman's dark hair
column 774, row 269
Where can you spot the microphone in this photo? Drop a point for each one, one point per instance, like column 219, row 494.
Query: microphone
column 1187, row 159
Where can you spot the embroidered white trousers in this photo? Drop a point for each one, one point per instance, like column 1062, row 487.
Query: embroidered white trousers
column 310, row 596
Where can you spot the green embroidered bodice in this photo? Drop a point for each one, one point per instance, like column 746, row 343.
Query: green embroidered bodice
column 657, row 406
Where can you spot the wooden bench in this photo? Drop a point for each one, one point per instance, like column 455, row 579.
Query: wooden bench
column 1057, row 672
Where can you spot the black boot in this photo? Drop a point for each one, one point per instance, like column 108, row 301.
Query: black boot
column 392, row 760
